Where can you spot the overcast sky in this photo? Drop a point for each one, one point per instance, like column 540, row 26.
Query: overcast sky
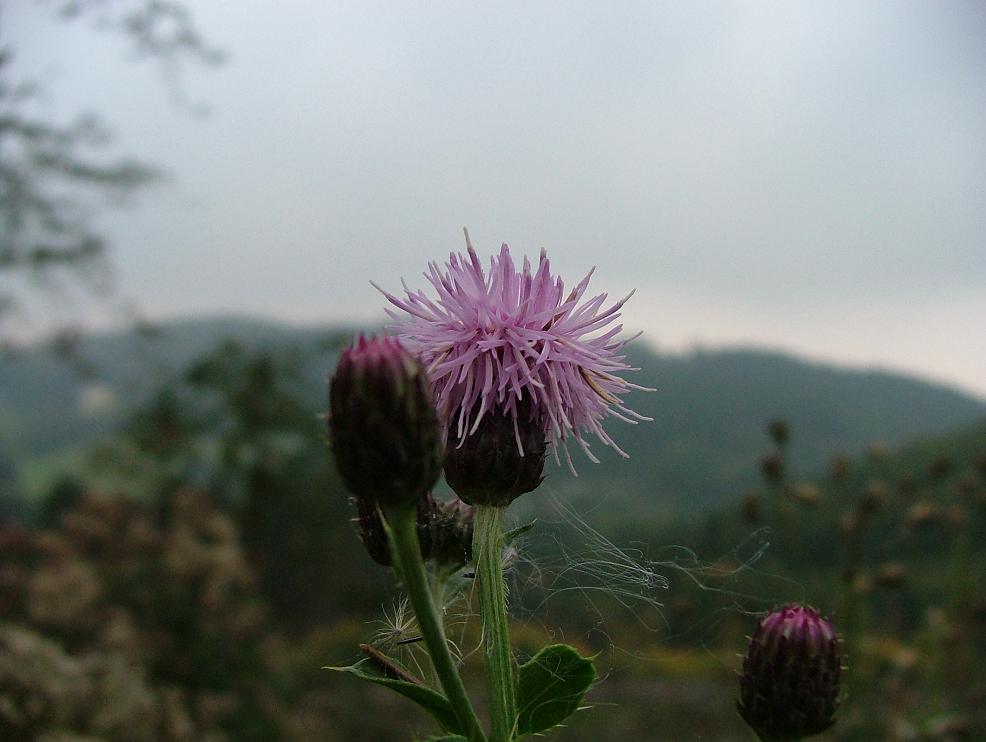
column 802, row 175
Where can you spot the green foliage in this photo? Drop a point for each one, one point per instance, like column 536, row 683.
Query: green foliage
column 514, row 533
column 702, row 450
column 239, row 422
column 550, row 687
column 431, row 701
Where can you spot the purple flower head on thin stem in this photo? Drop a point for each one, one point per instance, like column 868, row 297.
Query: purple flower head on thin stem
column 494, row 339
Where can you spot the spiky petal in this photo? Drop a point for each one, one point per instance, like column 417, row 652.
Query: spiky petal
column 492, row 339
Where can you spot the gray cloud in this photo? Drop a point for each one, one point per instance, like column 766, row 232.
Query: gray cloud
column 805, row 174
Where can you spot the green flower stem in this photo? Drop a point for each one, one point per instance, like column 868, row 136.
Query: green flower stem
column 405, row 551
column 486, row 547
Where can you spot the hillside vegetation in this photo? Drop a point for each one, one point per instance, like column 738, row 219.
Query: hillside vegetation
column 708, row 407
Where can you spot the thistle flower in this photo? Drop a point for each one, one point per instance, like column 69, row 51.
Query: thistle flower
column 493, row 339
column 789, row 688
column 382, row 425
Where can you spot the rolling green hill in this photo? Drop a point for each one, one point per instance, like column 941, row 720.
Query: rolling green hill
column 709, row 408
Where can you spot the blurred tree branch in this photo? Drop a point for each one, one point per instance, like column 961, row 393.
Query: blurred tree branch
column 55, row 176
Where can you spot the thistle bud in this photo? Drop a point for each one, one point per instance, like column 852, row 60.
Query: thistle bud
column 805, row 493
column 779, row 431
column 371, row 532
column 877, row 451
column 893, row 574
column 922, row 515
column 940, row 467
column 876, row 495
column 750, row 508
column 453, row 528
column 382, row 425
column 772, row 467
column 840, row 468
column 789, row 688
column 499, row 461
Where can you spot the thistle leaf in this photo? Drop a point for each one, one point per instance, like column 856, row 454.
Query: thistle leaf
column 550, row 687
column 510, row 536
column 431, row 701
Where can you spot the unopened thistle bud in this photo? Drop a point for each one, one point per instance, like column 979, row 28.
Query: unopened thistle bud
column 382, row 424
column 805, row 493
column 371, row 532
column 750, row 508
column 453, row 529
column 874, row 498
column 789, row 688
column 922, row 515
column 940, row 468
column 877, row 451
column 893, row 574
column 840, row 468
column 499, row 461
column 779, row 431
column 772, row 467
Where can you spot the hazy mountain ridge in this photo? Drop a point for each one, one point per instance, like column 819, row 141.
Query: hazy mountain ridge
column 709, row 408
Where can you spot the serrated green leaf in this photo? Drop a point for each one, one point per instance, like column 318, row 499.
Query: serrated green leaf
column 510, row 536
column 550, row 687
column 431, row 701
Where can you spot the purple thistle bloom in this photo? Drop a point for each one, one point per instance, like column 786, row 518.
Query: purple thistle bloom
column 493, row 339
